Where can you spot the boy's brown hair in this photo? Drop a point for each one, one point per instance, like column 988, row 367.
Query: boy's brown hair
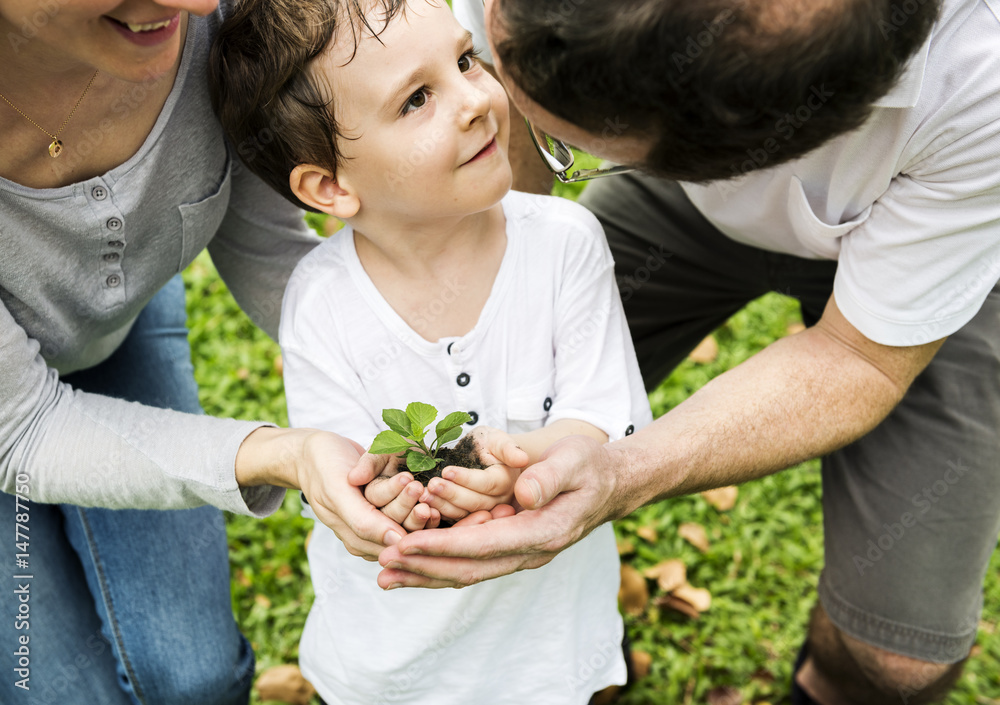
column 275, row 113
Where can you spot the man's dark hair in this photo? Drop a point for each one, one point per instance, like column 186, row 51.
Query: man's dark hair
column 276, row 114
column 711, row 82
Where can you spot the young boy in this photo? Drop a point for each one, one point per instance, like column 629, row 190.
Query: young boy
column 443, row 288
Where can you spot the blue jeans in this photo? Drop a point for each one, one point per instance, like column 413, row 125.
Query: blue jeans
column 128, row 606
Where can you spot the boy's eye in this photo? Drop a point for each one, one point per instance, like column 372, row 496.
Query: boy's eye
column 417, row 100
column 467, row 61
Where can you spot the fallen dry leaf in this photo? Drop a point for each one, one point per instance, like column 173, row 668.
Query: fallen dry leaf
column 279, row 365
column 625, row 547
column 242, row 373
column 722, row 498
column 309, row 538
column 669, row 575
column 678, row 605
column 642, row 663
column 695, row 535
column 262, row 601
column 633, row 594
column 706, row 351
column 647, row 533
column 724, row 695
column 285, row 684
column 794, row 328
column 699, row 598
column 283, row 571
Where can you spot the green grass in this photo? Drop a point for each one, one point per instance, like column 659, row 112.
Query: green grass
column 761, row 568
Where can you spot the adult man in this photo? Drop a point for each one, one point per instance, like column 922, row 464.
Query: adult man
column 861, row 155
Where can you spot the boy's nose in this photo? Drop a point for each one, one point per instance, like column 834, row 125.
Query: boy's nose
column 195, row 7
column 476, row 105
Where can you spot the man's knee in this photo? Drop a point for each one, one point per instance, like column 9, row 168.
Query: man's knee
column 903, row 679
column 869, row 674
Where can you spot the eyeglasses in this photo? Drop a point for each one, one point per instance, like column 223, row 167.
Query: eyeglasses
column 558, row 157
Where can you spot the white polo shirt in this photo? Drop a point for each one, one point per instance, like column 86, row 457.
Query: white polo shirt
column 908, row 204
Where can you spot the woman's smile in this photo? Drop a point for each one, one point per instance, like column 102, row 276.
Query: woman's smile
column 147, row 33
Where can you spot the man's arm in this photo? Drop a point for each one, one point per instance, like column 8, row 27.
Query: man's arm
column 802, row 397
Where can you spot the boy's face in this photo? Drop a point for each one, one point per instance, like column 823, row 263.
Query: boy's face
column 425, row 125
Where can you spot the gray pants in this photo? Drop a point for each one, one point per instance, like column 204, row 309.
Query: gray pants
column 912, row 510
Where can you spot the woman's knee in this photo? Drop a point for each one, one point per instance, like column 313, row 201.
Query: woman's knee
column 207, row 674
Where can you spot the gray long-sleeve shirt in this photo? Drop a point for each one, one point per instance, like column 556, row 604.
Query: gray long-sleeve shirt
column 78, row 265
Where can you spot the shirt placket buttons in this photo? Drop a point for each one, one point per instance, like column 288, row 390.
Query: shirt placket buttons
column 114, row 224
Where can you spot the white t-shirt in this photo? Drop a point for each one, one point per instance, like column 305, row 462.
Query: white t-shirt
column 908, row 204
column 551, row 343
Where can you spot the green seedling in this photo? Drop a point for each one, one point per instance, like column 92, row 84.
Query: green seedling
column 408, row 431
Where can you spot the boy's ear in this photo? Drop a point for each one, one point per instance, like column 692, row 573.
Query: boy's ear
column 318, row 188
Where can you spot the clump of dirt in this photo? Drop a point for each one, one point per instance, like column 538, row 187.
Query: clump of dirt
column 464, row 455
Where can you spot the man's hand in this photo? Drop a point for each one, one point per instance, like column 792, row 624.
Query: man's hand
column 462, row 491
column 570, row 492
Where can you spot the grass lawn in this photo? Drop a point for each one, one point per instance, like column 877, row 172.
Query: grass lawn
column 761, row 566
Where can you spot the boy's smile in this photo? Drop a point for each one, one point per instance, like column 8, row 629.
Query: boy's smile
column 490, row 149
column 425, row 126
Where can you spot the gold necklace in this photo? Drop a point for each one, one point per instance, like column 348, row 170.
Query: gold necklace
column 56, row 148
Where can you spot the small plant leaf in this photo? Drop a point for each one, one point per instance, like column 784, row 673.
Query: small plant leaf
column 452, row 420
column 389, row 442
column 397, row 420
column 448, row 436
column 419, row 462
column 421, row 416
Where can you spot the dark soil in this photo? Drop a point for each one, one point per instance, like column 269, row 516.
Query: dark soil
column 463, row 455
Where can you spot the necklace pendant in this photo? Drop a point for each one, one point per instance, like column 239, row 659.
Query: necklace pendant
column 56, row 148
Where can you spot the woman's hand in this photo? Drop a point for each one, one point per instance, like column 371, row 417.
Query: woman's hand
column 319, row 463
column 461, row 491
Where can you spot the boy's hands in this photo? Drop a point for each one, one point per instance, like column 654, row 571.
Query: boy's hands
column 463, row 491
column 474, row 496
column 396, row 493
